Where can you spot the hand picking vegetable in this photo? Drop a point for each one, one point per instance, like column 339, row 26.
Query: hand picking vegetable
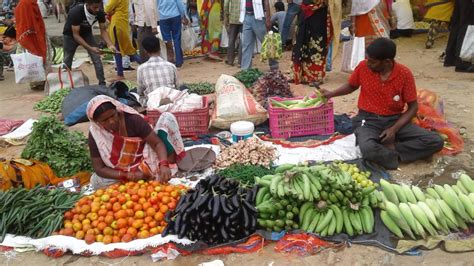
column 33, row 213
column 52, row 103
column 249, row 151
column 65, row 151
column 216, row 211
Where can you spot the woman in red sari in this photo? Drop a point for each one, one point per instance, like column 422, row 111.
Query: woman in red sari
column 314, row 34
column 31, row 33
column 124, row 146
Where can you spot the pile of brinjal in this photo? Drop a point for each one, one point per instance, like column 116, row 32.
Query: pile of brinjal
column 217, row 210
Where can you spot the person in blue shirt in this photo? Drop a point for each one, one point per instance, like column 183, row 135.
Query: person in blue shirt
column 172, row 14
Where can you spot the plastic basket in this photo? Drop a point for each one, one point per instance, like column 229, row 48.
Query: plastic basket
column 301, row 122
column 191, row 123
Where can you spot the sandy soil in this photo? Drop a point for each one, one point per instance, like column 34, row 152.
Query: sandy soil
column 457, row 90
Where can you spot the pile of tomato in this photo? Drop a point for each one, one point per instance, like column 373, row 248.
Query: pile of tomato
column 122, row 212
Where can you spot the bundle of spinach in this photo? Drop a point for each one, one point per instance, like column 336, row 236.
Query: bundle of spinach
column 64, row 151
column 248, row 76
column 245, row 173
column 200, row 88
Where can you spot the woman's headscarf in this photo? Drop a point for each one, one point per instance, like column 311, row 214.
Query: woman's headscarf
column 30, row 28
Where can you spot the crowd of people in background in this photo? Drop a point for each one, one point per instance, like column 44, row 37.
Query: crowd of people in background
column 309, row 28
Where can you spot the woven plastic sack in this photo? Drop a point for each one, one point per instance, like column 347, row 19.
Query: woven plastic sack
column 234, row 103
column 271, row 46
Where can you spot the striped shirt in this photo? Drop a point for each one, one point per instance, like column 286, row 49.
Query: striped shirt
column 155, row 73
column 232, row 10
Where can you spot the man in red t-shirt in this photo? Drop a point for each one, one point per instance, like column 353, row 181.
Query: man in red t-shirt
column 384, row 132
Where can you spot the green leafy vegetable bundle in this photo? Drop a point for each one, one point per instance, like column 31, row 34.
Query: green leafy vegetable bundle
column 52, row 103
column 64, row 151
column 249, row 76
column 200, row 88
column 245, row 173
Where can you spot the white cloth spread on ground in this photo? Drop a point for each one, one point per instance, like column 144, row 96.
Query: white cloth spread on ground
column 181, row 101
column 77, row 246
column 341, row 149
column 21, row 132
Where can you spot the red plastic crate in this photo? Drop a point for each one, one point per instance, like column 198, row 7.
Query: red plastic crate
column 300, row 122
column 191, row 123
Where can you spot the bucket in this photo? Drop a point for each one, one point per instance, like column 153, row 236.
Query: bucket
column 241, row 130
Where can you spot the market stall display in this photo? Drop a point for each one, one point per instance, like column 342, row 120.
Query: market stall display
column 331, row 199
column 35, row 213
column 122, row 212
column 217, row 210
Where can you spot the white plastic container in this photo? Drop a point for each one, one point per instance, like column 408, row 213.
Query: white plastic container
column 241, row 130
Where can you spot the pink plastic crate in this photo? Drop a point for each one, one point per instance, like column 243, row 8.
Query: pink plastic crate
column 300, row 122
column 190, row 123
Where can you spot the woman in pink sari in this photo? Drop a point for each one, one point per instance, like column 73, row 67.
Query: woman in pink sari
column 124, row 146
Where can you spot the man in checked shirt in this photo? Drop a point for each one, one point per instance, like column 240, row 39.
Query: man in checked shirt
column 156, row 72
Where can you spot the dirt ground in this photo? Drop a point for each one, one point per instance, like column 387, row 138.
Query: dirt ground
column 457, row 90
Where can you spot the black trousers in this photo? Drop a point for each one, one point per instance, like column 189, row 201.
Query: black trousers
column 411, row 141
column 233, row 32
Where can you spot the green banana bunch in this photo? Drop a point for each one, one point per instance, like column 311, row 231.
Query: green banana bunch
column 330, row 220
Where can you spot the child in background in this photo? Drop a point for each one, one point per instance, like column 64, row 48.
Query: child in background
column 7, row 47
column 279, row 17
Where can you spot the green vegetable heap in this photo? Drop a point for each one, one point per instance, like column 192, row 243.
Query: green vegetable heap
column 53, row 103
column 64, row 151
column 245, row 173
column 249, row 76
column 200, row 88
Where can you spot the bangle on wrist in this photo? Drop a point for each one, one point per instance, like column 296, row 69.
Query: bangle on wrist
column 164, row 163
